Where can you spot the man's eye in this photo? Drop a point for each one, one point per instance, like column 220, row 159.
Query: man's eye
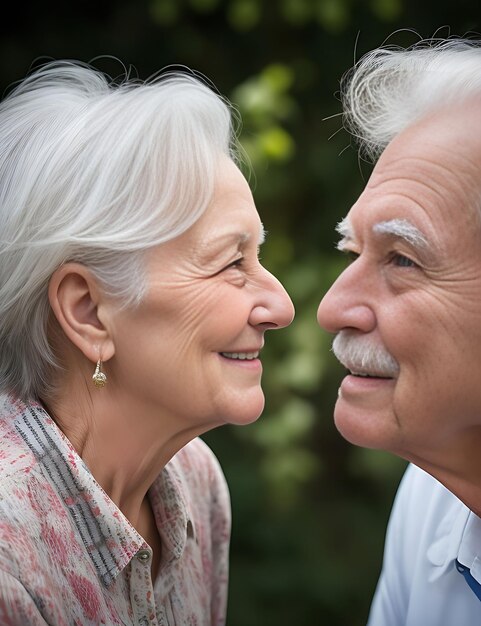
column 351, row 255
column 402, row 261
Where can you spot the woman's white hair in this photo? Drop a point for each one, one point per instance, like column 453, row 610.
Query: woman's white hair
column 94, row 171
column 391, row 88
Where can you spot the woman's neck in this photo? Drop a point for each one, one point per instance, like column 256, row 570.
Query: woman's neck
column 123, row 443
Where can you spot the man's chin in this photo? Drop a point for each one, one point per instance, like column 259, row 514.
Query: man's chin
column 362, row 428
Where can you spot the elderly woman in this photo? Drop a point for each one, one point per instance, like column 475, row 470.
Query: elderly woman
column 132, row 313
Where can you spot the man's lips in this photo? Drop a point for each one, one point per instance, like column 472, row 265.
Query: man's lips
column 369, row 374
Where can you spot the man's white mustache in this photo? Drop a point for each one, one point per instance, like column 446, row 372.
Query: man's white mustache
column 359, row 354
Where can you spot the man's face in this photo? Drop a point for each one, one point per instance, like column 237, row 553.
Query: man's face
column 413, row 293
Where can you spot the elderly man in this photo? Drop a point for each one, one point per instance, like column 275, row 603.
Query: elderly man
column 407, row 318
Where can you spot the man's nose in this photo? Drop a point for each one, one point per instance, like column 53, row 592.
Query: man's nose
column 347, row 304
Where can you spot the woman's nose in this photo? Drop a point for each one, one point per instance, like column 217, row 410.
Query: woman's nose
column 346, row 305
column 274, row 308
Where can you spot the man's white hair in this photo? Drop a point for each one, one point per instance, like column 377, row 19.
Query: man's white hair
column 94, row 171
column 391, row 88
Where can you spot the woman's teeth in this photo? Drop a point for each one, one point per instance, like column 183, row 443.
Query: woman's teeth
column 242, row 356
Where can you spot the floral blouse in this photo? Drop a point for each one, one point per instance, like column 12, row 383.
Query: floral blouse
column 69, row 556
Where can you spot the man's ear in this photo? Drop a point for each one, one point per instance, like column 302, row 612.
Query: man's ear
column 75, row 298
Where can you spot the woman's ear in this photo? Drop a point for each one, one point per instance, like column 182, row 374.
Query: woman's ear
column 75, row 298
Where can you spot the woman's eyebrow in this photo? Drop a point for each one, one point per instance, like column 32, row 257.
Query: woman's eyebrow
column 262, row 235
column 239, row 237
column 212, row 247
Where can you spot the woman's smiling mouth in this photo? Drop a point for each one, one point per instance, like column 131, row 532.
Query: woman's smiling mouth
column 241, row 356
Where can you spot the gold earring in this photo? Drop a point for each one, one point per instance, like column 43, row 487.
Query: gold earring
column 99, row 378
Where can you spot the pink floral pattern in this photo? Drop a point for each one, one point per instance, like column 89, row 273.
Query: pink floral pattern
column 68, row 555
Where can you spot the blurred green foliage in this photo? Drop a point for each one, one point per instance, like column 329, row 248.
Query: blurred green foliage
column 309, row 509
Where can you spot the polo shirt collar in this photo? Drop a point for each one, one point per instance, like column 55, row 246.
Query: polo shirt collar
column 457, row 537
column 469, row 553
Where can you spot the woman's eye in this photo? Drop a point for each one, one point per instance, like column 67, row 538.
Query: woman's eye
column 236, row 264
column 402, row 261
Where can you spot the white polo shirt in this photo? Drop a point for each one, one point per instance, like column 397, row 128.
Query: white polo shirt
column 419, row 584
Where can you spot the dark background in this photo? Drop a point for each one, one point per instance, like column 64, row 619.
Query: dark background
column 309, row 509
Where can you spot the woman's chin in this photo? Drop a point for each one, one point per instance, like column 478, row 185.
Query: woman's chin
column 248, row 410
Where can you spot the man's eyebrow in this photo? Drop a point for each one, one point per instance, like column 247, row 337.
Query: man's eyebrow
column 400, row 228
column 344, row 228
column 403, row 229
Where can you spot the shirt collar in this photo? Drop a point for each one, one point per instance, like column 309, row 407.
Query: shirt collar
column 171, row 506
column 109, row 538
column 457, row 536
column 469, row 553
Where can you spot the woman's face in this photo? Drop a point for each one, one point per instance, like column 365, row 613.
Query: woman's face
column 190, row 350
